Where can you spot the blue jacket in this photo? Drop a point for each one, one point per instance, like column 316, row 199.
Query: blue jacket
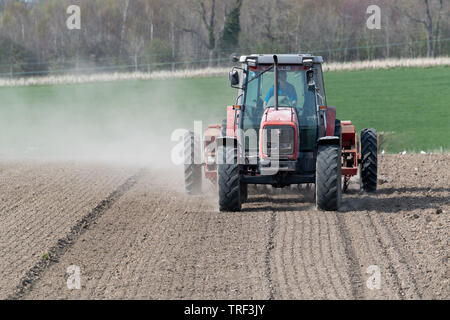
column 289, row 91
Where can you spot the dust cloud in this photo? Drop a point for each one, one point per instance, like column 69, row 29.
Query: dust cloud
column 128, row 122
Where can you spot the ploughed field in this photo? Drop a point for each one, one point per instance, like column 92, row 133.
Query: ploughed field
column 134, row 234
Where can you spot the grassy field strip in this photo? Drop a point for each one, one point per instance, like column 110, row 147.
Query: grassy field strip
column 212, row 72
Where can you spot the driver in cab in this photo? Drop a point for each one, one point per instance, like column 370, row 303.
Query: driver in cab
column 284, row 89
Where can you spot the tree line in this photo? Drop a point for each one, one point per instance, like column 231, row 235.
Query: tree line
column 147, row 35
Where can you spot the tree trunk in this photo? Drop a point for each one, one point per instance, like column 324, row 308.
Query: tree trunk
column 388, row 48
column 429, row 28
column 124, row 22
column 211, row 57
column 23, row 31
column 438, row 28
column 210, row 26
column 172, row 38
column 430, row 52
column 151, row 27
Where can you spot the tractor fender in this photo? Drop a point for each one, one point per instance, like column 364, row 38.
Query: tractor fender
column 232, row 120
column 331, row 117
column 328, row 140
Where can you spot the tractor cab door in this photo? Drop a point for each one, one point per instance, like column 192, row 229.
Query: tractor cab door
column 307, row 114
column 254, row 108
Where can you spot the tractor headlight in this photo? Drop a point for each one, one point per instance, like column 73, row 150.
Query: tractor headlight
column 278, row 140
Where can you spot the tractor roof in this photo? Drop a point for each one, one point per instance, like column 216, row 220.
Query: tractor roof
column 282, row 58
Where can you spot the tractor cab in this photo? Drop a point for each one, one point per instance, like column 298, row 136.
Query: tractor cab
column 293, row 110
column 293, row 92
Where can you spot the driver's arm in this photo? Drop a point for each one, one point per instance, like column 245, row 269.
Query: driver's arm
column 268, row 96
column 293, row 95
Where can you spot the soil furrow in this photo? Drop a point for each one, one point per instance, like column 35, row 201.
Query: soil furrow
column 268, row 255
column 334, row 251
column 401, row 261
column 64, row 244
column 353, row 271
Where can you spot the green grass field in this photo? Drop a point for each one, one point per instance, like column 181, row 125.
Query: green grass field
column 412, row 103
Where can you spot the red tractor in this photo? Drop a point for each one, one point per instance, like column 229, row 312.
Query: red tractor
column 280, row 132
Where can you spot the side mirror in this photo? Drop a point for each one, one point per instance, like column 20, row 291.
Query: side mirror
column 310, row 79
column 234, row 78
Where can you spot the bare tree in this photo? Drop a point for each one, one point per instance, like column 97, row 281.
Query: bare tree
column 210, row 26
column 429, row 17
column 124, row 23
column 186, row 33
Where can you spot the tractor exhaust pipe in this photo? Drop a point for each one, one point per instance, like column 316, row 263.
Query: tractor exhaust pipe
column 275, row 87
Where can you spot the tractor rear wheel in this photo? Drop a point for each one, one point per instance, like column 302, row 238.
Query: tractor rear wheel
column 369, row 151
column 229, row 180
column 192, row 164
column 328, row 177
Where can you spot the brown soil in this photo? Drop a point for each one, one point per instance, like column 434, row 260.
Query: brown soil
column 142, row 238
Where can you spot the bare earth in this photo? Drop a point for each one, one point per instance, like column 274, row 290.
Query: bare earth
column 135, row 235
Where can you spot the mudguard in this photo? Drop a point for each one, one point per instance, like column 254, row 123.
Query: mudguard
column 328, row 140
column 331, row 117
column 232, row 120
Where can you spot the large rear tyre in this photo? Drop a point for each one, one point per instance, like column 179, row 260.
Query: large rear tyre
column 369, row 165
column 192, row 164
column 328, row 177
column 229, row 180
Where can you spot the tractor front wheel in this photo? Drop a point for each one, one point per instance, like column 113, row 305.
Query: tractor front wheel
column 328, row 177
column 192, row 164
column 229, row 180
column 369, row 151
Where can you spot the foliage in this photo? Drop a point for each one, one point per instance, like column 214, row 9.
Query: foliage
column 232, row 27
column 118, row 35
